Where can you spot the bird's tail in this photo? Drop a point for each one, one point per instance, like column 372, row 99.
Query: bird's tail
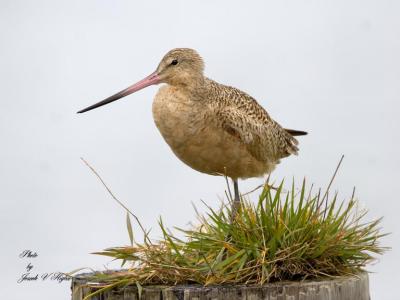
column 295, row 132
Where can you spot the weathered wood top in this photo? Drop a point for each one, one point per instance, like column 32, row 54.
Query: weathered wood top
column 343, row 288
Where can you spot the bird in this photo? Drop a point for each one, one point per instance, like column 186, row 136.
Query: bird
column 213, row 128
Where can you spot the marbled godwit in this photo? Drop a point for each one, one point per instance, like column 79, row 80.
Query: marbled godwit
column 213, row 128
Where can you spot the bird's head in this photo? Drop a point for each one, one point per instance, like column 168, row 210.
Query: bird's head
column 179, row 67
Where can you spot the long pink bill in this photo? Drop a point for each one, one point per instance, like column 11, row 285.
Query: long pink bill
column 149, row 80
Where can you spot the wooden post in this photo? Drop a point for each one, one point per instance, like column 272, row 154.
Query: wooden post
column 343, row 288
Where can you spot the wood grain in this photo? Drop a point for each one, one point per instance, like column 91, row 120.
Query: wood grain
column 344, row 288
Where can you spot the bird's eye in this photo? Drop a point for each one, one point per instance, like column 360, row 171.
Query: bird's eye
column 174, row 62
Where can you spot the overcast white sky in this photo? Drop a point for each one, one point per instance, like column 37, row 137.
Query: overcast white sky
column 329, row 67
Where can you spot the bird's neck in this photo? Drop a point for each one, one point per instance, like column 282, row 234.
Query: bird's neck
column 193, row 86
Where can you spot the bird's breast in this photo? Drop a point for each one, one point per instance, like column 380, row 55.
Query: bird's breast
column 177, row 117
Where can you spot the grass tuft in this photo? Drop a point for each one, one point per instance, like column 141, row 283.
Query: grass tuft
column 285, row 235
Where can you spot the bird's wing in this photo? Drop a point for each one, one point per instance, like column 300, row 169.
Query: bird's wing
column 242, row 117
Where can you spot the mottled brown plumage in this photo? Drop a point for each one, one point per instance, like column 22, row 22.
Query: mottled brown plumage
column 214, row 128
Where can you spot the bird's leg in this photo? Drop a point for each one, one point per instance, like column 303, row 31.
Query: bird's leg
column 236, row 200
column 234, row 210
